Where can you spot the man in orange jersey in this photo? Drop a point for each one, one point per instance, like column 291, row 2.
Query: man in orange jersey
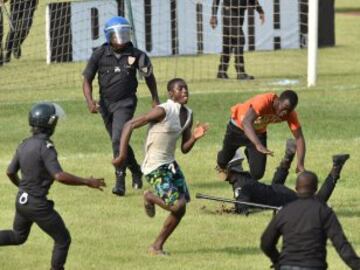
column 247, row 127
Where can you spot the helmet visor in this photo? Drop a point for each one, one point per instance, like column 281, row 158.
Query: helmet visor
column 59, row 111
column 119, row 34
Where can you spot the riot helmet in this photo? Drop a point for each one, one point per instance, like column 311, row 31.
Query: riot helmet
column 44, row 116
column 117, row 31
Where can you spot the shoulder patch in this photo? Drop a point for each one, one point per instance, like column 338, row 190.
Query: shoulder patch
column 49, row 144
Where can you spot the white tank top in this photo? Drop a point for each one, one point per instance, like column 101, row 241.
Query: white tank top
column 162, row 136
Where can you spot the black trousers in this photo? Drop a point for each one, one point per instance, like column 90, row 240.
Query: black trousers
column 276, row 194
column 233, row 39
column 42, row 212
column 22, row 12
column 115, row 115
column 235, row 138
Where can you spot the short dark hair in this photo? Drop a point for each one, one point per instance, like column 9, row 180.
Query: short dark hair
column 171, row 84
column 291, row 96
column 307, row 182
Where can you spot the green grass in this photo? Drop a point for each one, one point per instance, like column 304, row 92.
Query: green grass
column 347, row 5
column 112, row 233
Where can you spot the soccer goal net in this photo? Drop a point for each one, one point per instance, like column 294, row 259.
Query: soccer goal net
column 45, row 44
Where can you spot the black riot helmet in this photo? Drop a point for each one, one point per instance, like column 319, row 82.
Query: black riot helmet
column 44, row 116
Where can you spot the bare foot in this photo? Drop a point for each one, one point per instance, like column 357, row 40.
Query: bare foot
column 157, row 252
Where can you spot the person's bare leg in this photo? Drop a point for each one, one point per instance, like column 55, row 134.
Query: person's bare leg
column 169, row 226
column 177, row 211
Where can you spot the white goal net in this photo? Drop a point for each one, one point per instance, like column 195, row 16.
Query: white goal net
column 45, row 44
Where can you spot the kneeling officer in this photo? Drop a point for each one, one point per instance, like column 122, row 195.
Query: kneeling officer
column 36, row 158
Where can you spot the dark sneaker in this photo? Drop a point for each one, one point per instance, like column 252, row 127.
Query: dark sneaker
column 137, row 182
column 119, row 188
column 222, row 75
column 339, row 160
column 338, row 163
column 244, row 76
column 149, row 207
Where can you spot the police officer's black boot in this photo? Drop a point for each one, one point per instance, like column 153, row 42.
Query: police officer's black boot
column 289, row 153
column 119, row 188
column 136, row 174
column 338, row 163
column 282, row 170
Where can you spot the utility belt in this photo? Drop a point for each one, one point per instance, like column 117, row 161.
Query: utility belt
column 23, row 197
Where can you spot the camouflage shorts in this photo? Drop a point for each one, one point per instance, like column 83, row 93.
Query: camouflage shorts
column 169, row 183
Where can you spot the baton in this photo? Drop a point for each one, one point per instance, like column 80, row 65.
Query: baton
column 7, row 14
column 219, row 199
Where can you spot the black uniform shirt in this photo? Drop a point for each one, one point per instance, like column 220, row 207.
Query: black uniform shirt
column 117, row 73
column 305, row 225
column 36, row 158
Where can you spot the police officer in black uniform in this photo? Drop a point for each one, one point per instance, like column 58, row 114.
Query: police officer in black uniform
column 36, row 158
column 247, row 189
column 233, row 38
column 116, row 63
column 305, row 225
column 22, row 13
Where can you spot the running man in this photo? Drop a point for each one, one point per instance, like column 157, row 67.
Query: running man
column 168, row 121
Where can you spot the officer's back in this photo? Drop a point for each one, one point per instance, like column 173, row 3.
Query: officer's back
column 305, row 225
column 301, row 224
column 37, row 158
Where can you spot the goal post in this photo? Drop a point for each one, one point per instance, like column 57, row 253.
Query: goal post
column 312, row 42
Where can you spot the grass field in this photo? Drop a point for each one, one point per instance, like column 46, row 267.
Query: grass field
column 111, row 233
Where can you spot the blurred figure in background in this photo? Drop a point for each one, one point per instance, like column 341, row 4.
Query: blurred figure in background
column 21, row 16
column 233, row 39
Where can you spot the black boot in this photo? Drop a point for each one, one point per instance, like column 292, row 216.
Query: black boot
column 136, row 175
column 338, row 163
column 119, row 188
column 137, row 182
column 244, row 76
column 290, row 151
column 222, row 75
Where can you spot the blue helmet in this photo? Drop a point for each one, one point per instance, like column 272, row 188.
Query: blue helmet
column 117, row 30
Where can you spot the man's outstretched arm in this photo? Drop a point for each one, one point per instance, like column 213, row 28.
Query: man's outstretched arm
column 343, row 247
column 300, row 149
column 249, row 131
